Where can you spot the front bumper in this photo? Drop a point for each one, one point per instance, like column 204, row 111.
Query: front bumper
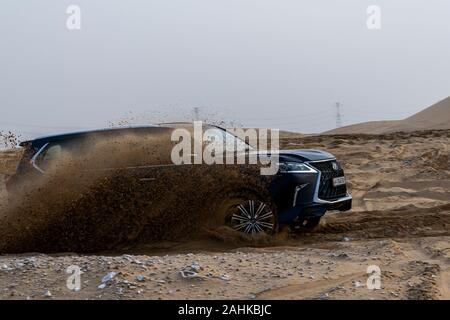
column 341, row 204
column 305, row 195
column 315, row 209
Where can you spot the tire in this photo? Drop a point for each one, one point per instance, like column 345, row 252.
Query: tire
column 249, row 214
column 306, row 225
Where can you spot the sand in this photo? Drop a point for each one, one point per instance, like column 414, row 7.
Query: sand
column 400, row 222
column 435, row 117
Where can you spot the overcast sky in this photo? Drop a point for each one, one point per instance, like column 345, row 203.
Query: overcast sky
column 267, row 63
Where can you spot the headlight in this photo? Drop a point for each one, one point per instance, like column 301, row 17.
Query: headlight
column 294, row 167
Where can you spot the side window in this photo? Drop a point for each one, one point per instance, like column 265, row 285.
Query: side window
column 215, row 138
column 48, row 156
column 220, row 139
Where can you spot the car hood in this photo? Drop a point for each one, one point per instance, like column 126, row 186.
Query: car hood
column 301, row 155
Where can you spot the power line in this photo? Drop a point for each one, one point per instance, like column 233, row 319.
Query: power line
column 338, row 115
column 196, row 113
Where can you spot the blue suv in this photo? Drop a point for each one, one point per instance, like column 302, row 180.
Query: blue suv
column 308, row 182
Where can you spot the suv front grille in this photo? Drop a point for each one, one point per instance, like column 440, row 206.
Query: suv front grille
column 326, row 189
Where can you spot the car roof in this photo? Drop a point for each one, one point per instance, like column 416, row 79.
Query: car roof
column 75, row 134
column 123, row 129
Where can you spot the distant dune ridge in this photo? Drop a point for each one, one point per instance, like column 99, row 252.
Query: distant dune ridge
column 436, row 117
column 9, row 160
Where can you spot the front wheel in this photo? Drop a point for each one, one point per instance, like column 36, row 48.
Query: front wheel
column 249, row 215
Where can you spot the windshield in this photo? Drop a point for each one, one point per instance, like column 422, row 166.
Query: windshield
column 218, row 138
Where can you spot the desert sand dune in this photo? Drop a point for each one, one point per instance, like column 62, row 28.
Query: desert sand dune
column 9, row 160
column 436, row 117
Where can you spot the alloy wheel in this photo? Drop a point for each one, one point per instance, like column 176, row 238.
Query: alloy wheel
column 253, row 216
